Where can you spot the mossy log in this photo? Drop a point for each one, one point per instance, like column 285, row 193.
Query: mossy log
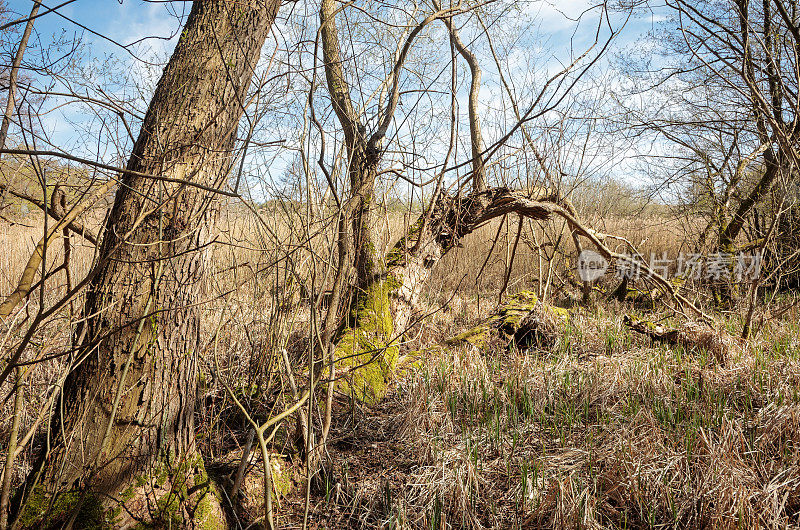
column 523, row 318
column 540, row 328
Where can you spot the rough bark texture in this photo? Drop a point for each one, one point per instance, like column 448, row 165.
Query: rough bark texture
column 129, row 400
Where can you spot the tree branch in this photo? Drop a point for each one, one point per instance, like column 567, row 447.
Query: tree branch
column 75, row 226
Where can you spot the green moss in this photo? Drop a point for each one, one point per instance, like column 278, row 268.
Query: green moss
column 632, row 320
column 42, row 511
column 476, row 336
column 415, row 360
column 281, row 477
column 193, row 489
column 369, row 254
column 515, row 309
column 507, row 319
column 559, row 312
column 367, row 351
column 207, row 515
column 168, row 511
column 126, row 496
column 371, row 312
column 186, row 488
column 396, row 256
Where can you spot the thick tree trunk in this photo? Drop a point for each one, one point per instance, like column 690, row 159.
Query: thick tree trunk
column 129, row 400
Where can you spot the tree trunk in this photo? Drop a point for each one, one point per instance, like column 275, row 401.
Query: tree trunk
column 388, row 288
column 725, row 292
column 410, row 261
column 364, row 335
column 368, row 347
column 128, row 402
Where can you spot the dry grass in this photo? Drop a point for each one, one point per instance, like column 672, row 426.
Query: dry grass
column 604, row 429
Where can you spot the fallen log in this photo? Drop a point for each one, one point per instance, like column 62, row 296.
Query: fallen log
column 691, row 335
column 523, row 320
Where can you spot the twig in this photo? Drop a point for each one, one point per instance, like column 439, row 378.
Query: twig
column 74, row 226
column 242, row 465
column 12, row 448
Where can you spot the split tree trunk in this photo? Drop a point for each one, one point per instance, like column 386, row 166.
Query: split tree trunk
column 363, row 339
column 391, row 304
column 411, row 260
column 129, row 401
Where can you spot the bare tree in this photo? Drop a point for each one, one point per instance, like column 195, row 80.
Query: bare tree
column 726, row 81
column 387, row 286
column 127, row 406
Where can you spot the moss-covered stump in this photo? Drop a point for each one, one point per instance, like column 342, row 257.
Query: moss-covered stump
column 367, row 353
column 540, row 328
column 175, row 495
column 523, row 311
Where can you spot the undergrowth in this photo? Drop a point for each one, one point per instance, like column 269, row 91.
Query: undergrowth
column 604, row 430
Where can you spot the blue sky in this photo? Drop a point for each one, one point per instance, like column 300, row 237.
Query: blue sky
column 128, row 20
column 123, row 21
column 151, row 29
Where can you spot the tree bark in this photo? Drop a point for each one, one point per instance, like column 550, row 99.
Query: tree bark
column 363, row 336
column 363, row 156
column 128, row 402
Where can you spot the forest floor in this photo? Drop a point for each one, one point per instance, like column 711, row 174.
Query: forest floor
column 605, row 429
